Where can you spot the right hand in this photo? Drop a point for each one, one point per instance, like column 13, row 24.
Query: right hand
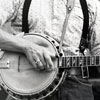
column 39, row 57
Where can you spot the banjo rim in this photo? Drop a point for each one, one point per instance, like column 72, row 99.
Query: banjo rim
column 39, row 95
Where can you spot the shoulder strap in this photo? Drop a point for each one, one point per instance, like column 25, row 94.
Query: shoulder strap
column 85, row 32
column 69, row 7
column 25, row 27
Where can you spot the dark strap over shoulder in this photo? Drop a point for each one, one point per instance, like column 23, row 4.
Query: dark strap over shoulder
column 25, row 27
column 85, row 31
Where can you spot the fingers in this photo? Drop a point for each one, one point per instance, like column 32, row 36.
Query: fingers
column 31, row 60
column 49, row 63
column 40, row 59
column 43, row 60
column 37, row 60
column 39, row 65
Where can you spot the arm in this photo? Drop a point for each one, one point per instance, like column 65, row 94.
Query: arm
column 18, row 44
column 10, row 42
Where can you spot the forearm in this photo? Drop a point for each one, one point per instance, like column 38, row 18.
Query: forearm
column 11, row 42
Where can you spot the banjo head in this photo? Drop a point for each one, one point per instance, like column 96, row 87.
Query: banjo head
column 22, row 81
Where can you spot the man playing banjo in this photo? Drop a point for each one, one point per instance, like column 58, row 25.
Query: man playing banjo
column 47, row 17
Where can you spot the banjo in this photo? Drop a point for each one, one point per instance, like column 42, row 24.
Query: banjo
column 19, row 78
column 22, row 81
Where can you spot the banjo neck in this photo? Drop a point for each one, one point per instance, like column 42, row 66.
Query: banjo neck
column 79, row 61
column 67, row 62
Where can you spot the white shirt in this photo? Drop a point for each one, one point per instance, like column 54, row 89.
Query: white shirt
column 47, row 17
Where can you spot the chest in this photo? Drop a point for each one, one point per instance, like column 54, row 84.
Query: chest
column 39, row 11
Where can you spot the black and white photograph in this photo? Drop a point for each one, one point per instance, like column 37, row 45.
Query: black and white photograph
column 49, row 49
